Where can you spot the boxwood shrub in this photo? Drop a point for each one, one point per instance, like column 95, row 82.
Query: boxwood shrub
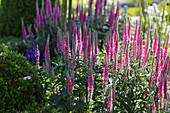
column 19, row 85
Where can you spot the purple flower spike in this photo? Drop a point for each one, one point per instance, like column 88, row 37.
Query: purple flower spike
column 56, row 12
column 110, row 104
column 47, row 51
column 31, row 34
column 24, row 34
column 90, row 83
column 38, row 19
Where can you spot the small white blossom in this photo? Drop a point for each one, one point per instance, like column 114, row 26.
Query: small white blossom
column 27, row 77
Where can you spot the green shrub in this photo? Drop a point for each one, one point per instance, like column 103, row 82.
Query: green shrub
column 11, row 13
column 17, row 93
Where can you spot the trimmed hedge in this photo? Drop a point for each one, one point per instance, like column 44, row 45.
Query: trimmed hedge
column 20, row 88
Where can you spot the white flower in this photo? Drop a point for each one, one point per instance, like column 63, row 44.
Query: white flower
column 1, row 53
column 27, row 77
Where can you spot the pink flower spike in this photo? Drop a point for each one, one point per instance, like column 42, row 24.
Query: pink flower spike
column 47, row 51
column 117, row 11
column 56, row 12
column 105, row 3
column 49, row 8
column 78, row 8
column 80, row 42
column 38, row 19
column 37, row 56
column 153, row 106
column 150, row 80
column 115, row 64
column 105, row 72
column 166, row 49
column 24, row 34
column 97, row 7
column 89, row 48
column 155, row 43
column 110, row 104
column 156, row 71
column 125, row 35
column 121, row 61
column 90, row 83
column 114, row 92
column 69, row 84
column 43, row 15
column 31, row 34
column 84, row 17
column 129, row 30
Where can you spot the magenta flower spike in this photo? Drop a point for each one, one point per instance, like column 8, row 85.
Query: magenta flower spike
column 85, row 38
column 24, row 34
column 81, row 15
column 58, row 41
column 165, row 87
column 47, row 51
column 76, row 39
column 155, row 43
column 111, row 18
column 134, row 51
column 153, row 106
column 114, row 92
column 160, row 86
column 101, row 6
column 166, row 49
column 146, row 59
column 97, row 7
column 49, row 8
column 80, row 42
column 70, row 83
column 90, row 83
column 117, row 11
column 115, row 64
column 117, row 45
column 37, row 56
column 134, row 44
column 105, row 3
column 43, row 15
column 129, row 31
column 38, row 19
column 84, row 16
column 110, row 104
column 31, row 34
column 121, row 61
column 56, row 12
column 105, row 72
column 111, row 13
column 140, row 47
column 156, row 71
column 89, row 48
column 139, row 34
column 116, row 31
column 147, row 45
column 150, row 80
column 77, row 9
column 158, row 52
column 96, row 45
column 162, row 60
column 127, row 59
column 125, row 35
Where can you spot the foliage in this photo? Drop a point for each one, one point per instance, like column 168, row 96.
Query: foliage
column 18, row 82
column 11, row 13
